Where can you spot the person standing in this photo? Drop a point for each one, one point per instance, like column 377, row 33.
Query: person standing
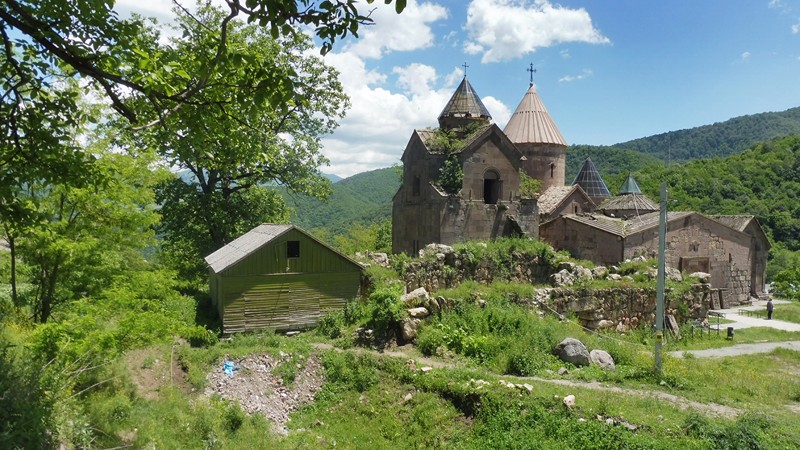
column 770, row 307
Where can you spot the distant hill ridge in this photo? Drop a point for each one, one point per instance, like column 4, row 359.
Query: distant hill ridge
column 365, row 197
column 720, row 139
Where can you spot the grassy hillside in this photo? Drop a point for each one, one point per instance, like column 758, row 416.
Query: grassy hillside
column 363, row 198
column 608, row 160
column 481, row 374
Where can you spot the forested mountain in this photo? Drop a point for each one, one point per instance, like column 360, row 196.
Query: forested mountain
column 365, row 197
column 763, row 181
column 719, row 139
column 608, row 160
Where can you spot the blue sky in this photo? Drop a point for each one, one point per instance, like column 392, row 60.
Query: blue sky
column 608, row 71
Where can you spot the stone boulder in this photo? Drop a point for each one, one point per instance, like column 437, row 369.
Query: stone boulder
column 673, row 274
column 562, row 278
column 419, row 312
column 602, row 359
column 410, row 328
column 704, row 277
column 436, row 249
column 573, row 351
column 599, row 272
column 417, row 297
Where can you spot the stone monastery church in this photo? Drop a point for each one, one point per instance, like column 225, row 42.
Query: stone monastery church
column 433, row 206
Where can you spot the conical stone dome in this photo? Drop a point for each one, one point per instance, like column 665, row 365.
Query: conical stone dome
column 464, row 107
column 532, row 124
column 590, row 180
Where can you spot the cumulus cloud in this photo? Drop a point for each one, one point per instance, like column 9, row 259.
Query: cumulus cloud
column 796, row 27
column 416, row 78
column 499, row 111
column 506, row 29
column 377, row 126
column 586, row 73
column 397, row 32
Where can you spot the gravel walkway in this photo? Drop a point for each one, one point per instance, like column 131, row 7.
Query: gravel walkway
column 744, row 321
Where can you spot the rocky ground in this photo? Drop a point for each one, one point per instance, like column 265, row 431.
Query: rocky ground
column 259, row 390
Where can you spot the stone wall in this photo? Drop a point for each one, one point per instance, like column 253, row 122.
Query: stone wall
column 451, row 269
column 622, row 308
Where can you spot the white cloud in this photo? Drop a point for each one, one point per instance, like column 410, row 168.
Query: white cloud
column 586, row 73
column 397, row 32
column 796, row 27
column 744, row 56
column 506, row 29
column 499, row 111
column 416, row 78
column 377, row 126
column 565, row 54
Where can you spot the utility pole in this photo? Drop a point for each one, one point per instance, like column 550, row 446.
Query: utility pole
column 662, row 244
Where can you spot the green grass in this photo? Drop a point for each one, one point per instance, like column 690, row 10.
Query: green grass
column 789, row 312
column 741, row 336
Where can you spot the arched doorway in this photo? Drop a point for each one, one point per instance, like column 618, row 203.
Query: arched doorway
column 491, row 187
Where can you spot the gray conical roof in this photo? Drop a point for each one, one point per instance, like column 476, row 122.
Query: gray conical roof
column 630, row 186
column 531, row 123
column 589, row 179
column 465, row 102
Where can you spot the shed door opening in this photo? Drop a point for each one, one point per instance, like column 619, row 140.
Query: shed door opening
column 292, row 249
column 491, row 187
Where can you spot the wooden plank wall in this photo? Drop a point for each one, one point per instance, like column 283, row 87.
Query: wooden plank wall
column 285, row 301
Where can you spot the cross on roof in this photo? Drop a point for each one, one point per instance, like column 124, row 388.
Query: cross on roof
column 465, row 69
column 532, row 71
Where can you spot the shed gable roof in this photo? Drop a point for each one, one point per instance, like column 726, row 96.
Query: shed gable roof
column 506, row 147
column 252, row 241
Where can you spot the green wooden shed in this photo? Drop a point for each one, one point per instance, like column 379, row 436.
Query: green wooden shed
column 279, row 277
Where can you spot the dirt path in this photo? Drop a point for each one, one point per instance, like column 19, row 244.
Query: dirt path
column 738, row 349
column 710, row 409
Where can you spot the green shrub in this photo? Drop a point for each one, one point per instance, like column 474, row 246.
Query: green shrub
column 331, row 325
column 430, row 339
column 387, row 310
column 748, row 432
column 529, row 363
column 354, row 311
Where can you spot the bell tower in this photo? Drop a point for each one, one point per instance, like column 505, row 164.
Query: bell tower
column 536, row 135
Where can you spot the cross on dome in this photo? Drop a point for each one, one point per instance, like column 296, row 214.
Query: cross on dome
column 532, row 71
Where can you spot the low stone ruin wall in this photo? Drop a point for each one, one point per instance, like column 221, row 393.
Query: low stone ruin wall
column 451, row 269
column 622, row 308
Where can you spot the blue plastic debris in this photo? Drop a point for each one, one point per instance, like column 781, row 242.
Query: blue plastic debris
column 228, row 367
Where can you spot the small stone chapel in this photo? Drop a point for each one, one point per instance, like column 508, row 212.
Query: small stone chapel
column 462, row 182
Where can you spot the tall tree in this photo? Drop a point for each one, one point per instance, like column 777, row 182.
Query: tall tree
column 230, row 151
column 87, row 235
column 121, row 55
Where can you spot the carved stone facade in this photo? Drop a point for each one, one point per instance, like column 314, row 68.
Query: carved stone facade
column 488, row 204
column 695, row 243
